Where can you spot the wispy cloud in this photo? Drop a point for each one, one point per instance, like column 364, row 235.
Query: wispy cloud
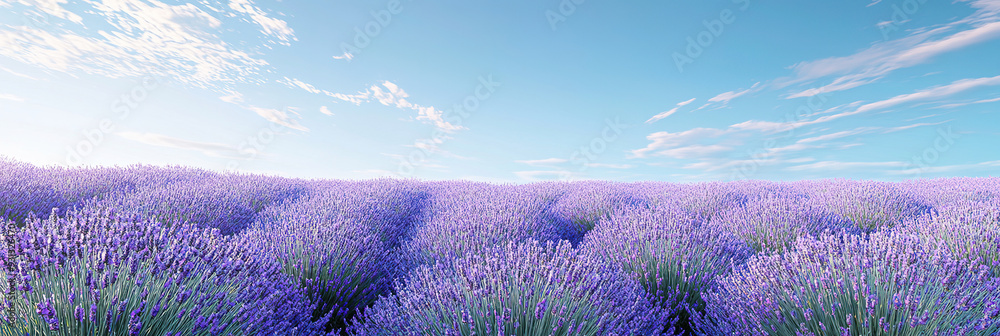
column 936, row 92
column 270, row 26
column 346, row 56
column 141, row 38
column 50, row 7
column 983, row 101
column 881, row 59
column 386, row 93
column 325, row 110
column 944, row 169
column 280, row 117
column 680, row 143
column 207, row 148
column 665, row 114
column 609, row 165
column 725, row 97
column 8, row 96
column 295, row 83
column 837, row 165
column 547, row 175
column 15, row 73
column 543, row 162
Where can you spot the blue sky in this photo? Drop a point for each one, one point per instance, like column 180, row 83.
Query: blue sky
column 514, row 91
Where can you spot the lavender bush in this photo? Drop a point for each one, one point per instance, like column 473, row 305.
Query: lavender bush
column 774, row 223
column 229, row 203
column 585, row 203
column 869, row 205
column 341, row 244
column 125, row 250
column 130, row 297
column 515, row 289
column 671, row 253
column 461, row 222
column 54, row 256
column 967, row 229
column 27, row 190
column 844, row 284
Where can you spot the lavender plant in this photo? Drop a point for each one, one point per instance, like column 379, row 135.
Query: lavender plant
column 967, row 229
column 463, row 223
column 341, row 263
column 129, row 297
column 706, row 199
column 672, row 255
column 586, row 203
column 774, row 223
column 844, row 284
column 869, row 205
column 228, row 202
column 56, row 251
column 531, row 288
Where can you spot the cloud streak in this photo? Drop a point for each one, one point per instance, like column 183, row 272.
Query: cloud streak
column 207, row 148
column 665, row 114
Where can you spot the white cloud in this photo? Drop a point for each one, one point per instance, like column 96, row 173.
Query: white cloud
column 324, row 110
column 693, row 151
column 233, row 97
column 292, row 82
column 348, row 56
column 943, row 169
column 271, row 26
column 879, row 60
column 18, row 74
column 837, row 165
column 542, row 162
column 838, row 135
column 179, row 42
column 50, row 7
column 8, row 96
column 906, row 127
column 725, row 97
column 355, row 99
column 279, row 117
column 983, row 101
column 609, row 165
column 662, row 115
column 207, row 148
column 389, row 94
column 547, row 175
column 936, row 92
column 680, row 143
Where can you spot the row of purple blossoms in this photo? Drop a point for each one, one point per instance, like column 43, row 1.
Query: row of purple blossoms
column 144, row 250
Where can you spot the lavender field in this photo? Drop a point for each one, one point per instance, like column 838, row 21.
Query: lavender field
column 143, row 250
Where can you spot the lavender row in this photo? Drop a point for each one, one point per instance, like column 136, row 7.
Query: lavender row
column 389, row 257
